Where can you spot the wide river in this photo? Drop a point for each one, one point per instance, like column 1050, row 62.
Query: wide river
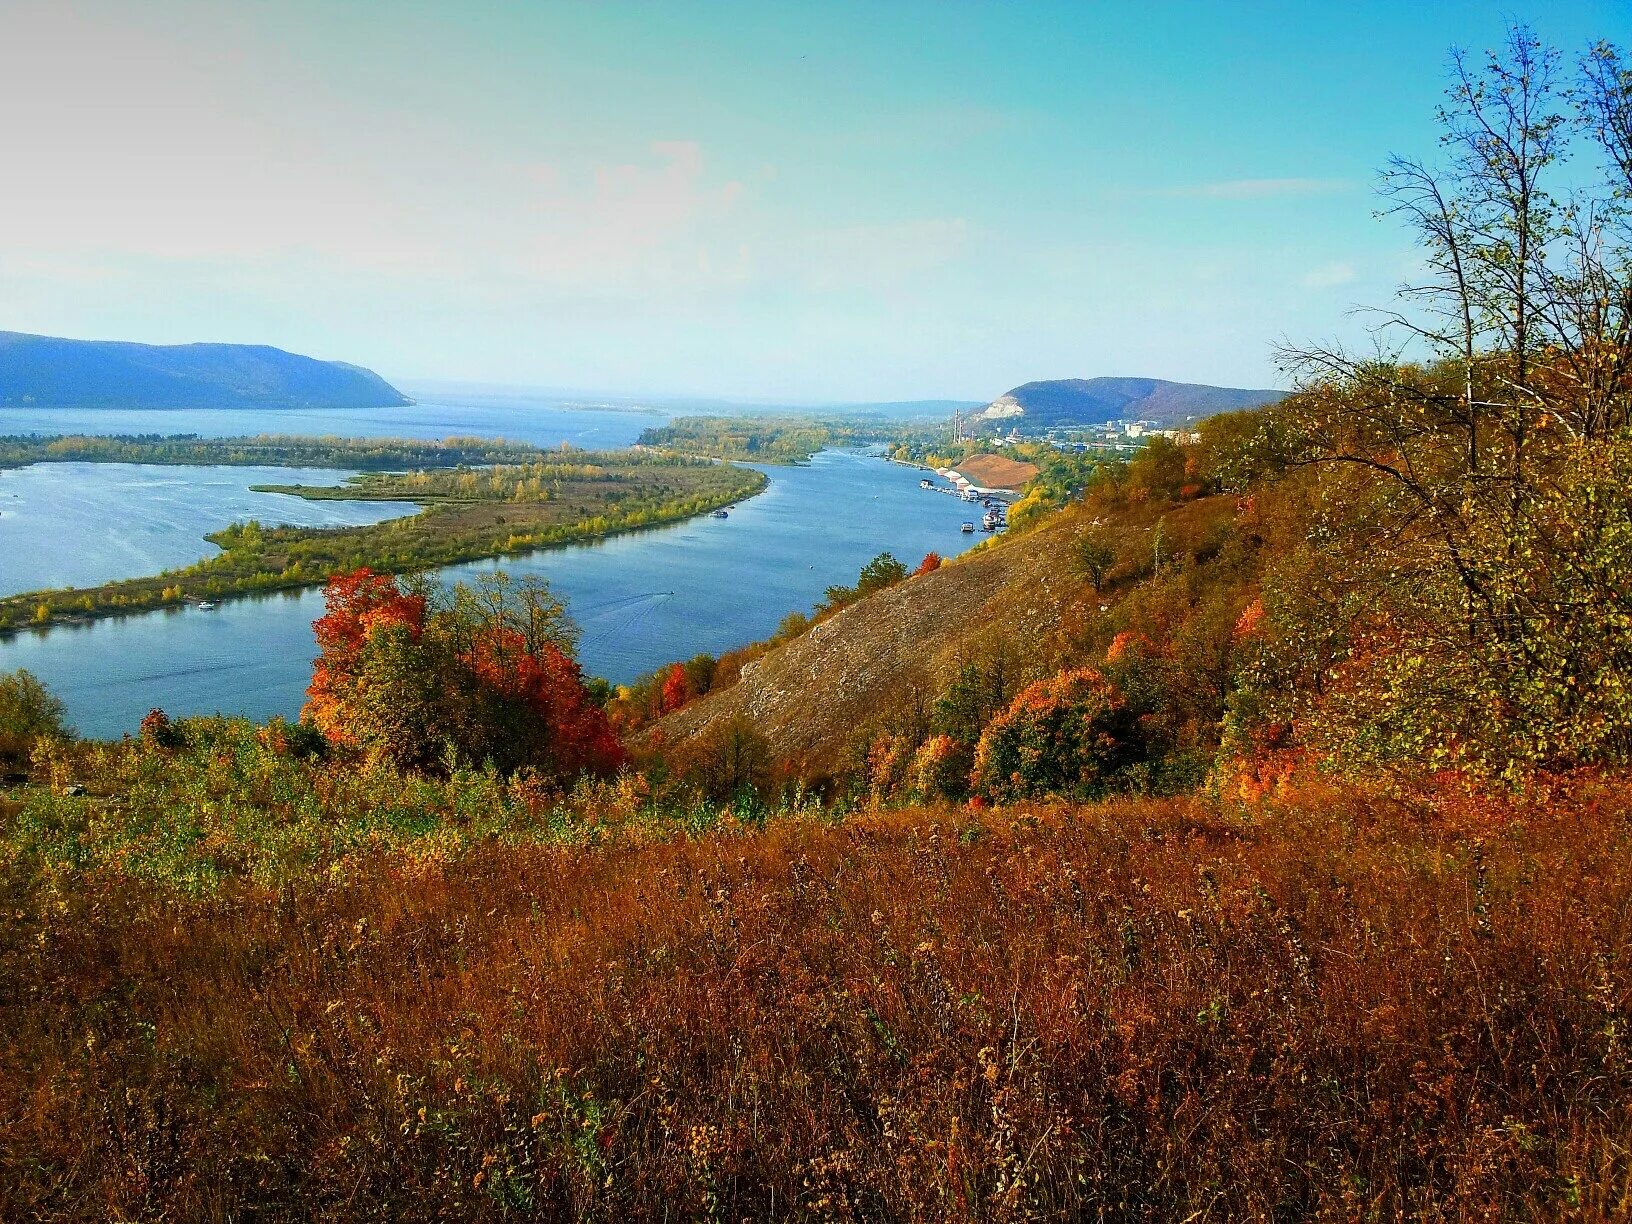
column 642, row 599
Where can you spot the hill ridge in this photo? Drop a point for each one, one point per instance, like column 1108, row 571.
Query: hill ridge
column 56, row 372
column 1071, row 402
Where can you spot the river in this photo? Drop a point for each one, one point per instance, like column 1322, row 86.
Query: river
column 83, row 524
column 642, row 599
column 542, row 421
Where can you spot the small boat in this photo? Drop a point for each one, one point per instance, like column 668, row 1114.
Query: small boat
column 207, row 605
column 969, row 529
column 721, row 514
column 925, row 484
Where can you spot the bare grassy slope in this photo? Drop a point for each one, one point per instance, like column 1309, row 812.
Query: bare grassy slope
column 812, row 695
column 816, row 696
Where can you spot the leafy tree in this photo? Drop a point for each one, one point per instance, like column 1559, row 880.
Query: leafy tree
column 1094, row 559
column 940, row 769
column 158, row 731
column 482, row 674
column 536, row 712
column 359, row 606
column 730, row 762
column 978, row 690
column 882, row 571
column 676, row 691
column 28, row 712
column 1473, row 481
column 1158, row 471
column 700, row 669
column 1237, row 450
column 1064, row 736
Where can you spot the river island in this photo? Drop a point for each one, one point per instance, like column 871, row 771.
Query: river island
column 473, row 499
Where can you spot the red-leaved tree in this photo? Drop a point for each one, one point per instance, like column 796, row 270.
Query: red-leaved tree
column 676, row 690
column 482, row 675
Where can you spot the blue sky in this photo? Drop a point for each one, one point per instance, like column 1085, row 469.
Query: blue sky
column 800, row 202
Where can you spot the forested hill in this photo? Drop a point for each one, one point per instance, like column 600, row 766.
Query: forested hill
column 50, row 372
column 1036, row 406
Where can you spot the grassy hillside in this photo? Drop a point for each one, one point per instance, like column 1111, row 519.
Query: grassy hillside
column 821, row 697
column 234, row 982
column 1245, row 836
column 812, row 696
column 1196, row 955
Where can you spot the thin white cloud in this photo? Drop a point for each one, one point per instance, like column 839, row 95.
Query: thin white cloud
column 878, row 257
column 1329, row 276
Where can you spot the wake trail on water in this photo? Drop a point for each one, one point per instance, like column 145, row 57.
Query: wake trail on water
column 177, row 674
column 615, row 617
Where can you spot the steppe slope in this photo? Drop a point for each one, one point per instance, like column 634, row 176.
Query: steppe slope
column 812, row 696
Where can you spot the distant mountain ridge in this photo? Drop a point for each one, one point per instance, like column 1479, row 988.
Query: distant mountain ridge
column 1064, row 402
column 51, row 372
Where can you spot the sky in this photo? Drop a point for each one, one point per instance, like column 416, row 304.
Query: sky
column 794, row 202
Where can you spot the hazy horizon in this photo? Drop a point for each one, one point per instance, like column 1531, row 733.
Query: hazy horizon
column 825, row 205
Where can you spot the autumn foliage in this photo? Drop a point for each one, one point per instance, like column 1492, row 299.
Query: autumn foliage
column 402, row 679
column 360, row 608
column 1063, row 736
column 29, row 713
column 1347, row 1009
column 1283, row 875
column 676, row 690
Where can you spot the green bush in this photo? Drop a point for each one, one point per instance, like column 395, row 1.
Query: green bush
column 29, row 712
column 1063, row 736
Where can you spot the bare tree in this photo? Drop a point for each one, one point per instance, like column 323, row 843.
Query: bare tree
column 1485, row 437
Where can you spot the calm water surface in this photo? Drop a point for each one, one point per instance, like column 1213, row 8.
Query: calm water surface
column 642, row 600
column 80, row 524
column 520, row 418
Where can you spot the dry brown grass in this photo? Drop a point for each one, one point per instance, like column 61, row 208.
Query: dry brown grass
column 1343, row 1009
column 817, row 697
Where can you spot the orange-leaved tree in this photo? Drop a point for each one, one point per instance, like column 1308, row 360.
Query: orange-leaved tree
column 481, row 674
column 1064, row 736
column 676, row 690
column 360, row 607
